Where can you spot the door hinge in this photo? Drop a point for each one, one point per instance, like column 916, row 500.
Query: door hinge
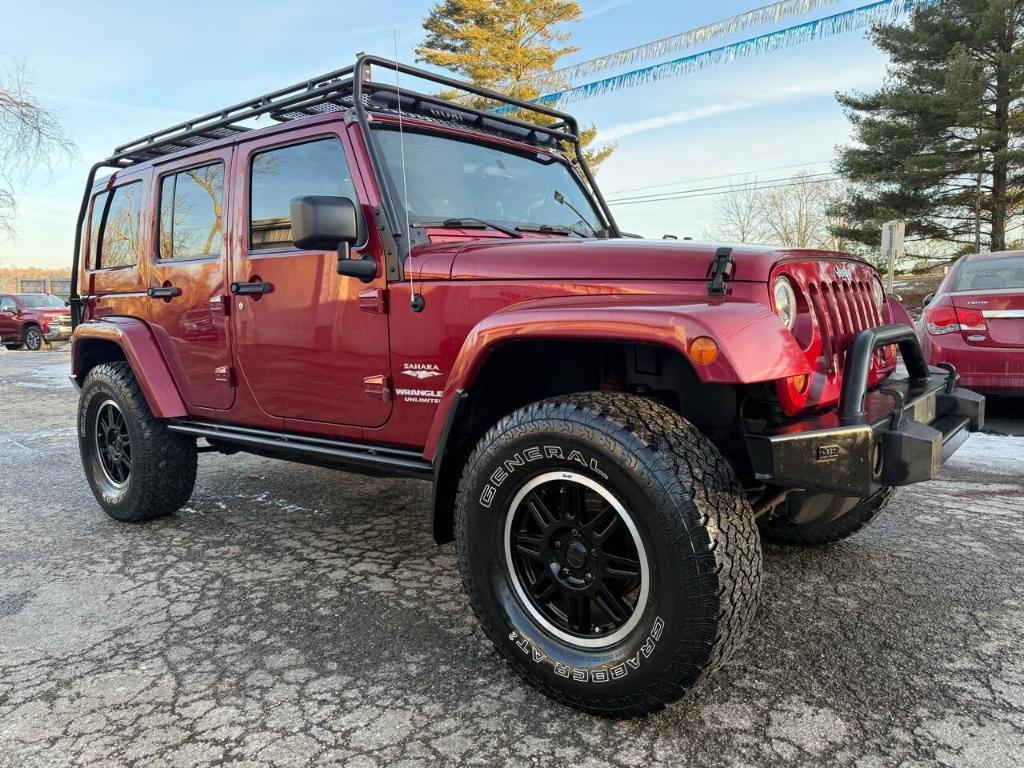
column 225, row 375
column 377, row 387
column 374, row 301
column 219, row 305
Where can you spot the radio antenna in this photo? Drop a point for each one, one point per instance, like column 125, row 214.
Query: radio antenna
column 415, row 300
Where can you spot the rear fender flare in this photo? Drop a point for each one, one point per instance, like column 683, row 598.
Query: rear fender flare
column 141, row 351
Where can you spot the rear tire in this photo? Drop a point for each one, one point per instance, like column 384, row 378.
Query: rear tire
column 32, row 338
column 137, row 469
column 646, row 570
column 816, row 533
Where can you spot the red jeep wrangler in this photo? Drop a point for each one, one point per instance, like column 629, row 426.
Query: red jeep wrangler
column 29, row 319
column 391, row 283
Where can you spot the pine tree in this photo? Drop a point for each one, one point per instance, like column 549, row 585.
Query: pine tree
column 506, row 45
column 940, row 144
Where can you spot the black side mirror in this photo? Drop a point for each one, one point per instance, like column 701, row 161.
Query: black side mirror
column 321, row 222
column 927, row 300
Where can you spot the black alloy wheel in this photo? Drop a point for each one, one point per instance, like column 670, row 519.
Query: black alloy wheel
column 576, row 559
column 113, row 444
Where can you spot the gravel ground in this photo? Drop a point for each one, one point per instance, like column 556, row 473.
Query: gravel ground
column 294, row 616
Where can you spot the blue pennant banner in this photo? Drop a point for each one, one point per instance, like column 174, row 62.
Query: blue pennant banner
column 691, row 38
column 857, row 18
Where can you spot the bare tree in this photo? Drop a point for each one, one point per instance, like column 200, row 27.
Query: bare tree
column 30, row 137
column 796, row 213
column 739, row 216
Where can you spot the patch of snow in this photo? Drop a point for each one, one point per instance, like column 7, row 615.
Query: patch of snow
column 994, row 454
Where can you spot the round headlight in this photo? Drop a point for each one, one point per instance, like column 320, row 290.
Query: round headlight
column 785, row 302
column 876, row 289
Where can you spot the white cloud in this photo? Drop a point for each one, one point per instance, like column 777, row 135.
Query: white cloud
column 601, row 8
column 756, row 95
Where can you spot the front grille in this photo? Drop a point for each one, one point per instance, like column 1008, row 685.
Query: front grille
column 844, row 308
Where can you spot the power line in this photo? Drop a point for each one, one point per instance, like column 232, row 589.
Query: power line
column 722, row 176
column 705, row 194
column 723, row 189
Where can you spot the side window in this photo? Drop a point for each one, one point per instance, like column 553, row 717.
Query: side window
column 7, row 304
column 191, row 213
column 277, row 175
column 99, row 207
column 116, row 227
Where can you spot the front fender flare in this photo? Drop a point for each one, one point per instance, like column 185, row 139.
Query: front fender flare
column 141, row 351
column 754, row 345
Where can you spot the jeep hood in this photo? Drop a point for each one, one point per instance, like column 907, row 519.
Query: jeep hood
column 565, row 258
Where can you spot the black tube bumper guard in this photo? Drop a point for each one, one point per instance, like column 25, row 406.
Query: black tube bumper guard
column 901, row 432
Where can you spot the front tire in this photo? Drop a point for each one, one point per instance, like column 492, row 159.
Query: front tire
column 137, row 469
column 32, row 338
column 607, row 549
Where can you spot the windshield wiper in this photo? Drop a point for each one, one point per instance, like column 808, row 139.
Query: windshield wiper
column 469, row 221
column 555, row 229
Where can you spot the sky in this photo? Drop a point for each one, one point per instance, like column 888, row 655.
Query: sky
column 115, row 70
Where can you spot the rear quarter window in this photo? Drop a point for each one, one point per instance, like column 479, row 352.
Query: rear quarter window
column 115, row 237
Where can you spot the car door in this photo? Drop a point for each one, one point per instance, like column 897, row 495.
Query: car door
column 188, row 281
column 8, row 324
column 308, row 349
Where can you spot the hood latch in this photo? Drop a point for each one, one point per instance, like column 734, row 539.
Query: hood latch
column 721, row 270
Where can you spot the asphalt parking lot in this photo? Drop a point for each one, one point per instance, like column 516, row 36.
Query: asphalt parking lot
column 292, row 616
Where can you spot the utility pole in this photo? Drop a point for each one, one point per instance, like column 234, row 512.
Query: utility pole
column 977, row 204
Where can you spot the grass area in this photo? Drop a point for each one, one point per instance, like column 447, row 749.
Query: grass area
column 912, row 289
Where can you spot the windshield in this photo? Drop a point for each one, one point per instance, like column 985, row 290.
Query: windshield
column 453, row 179
column 40, row 302
column 990, row 274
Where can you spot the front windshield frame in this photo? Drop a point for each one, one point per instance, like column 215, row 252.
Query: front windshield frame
column 599, row 226
column 41, row 301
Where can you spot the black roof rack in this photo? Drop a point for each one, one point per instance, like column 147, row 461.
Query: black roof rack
column 333, row 92
column 351, row 90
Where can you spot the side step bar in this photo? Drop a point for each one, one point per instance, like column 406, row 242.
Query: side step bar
column 370, row 459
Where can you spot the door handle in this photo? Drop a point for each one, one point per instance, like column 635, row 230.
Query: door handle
column 166, row 292
column 247, row 289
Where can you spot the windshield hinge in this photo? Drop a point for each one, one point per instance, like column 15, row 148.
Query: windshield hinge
column 721, row 270
column 374, row 301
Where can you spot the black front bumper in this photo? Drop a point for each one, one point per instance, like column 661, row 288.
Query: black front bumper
column 900, row 433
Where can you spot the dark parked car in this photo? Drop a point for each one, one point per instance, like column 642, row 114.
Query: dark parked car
column 29, row 319
column 395, row 284
column 975, row 320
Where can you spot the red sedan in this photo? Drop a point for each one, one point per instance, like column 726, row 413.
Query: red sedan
column 975, row 320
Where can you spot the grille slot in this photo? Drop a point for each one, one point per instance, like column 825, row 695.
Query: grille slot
column 843, row 309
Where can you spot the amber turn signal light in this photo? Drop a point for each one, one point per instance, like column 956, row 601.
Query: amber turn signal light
column 703, row 350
